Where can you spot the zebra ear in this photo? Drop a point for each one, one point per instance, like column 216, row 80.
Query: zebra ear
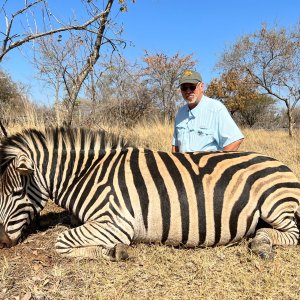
column 24, row 165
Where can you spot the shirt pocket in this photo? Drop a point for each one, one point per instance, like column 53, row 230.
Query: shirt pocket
column 180, row 132
column 201, row 138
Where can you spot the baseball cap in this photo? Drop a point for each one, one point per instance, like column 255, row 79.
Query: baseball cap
column 190, row 77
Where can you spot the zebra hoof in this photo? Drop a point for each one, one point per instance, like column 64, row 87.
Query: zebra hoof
column 121, row 252
column 262, row 248
column 117, row 253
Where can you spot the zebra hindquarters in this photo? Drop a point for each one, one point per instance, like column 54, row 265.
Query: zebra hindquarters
column 280, row 214
column 95, row 239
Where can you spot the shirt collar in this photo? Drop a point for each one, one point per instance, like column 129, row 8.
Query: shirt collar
column 193, row 112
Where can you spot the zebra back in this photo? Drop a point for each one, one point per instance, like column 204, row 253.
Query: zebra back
column 31, row 141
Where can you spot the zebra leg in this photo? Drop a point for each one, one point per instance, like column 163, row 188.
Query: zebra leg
column 95, row 239
column 265, row 238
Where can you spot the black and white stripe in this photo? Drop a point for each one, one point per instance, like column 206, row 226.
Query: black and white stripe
column 124, row 195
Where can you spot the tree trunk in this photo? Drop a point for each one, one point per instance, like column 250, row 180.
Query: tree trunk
column 91, row 61
column 290, row 121
column 56, row 105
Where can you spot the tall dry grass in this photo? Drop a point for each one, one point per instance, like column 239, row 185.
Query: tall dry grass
column 277, row 143
column 158, row 136
column 32, row 270
column 30, row 119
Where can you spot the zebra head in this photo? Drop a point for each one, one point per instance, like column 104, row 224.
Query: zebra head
column 20, row 198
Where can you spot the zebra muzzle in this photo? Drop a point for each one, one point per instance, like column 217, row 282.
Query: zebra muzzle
column 5, row 241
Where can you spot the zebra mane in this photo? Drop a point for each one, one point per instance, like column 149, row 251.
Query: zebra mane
column 50, row 138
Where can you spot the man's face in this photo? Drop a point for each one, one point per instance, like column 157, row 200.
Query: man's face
column 192, row 93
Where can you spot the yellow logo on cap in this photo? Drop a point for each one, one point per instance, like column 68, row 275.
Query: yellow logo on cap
column 187, row 73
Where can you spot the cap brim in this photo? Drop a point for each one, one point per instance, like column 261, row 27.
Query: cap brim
column 193, row 81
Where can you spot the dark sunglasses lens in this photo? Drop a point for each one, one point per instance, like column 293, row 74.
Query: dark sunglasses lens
column 191, row 88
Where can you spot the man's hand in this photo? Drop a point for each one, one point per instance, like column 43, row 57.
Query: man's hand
column 175, row 149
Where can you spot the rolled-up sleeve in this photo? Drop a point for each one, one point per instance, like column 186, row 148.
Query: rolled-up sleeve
column 228, row 130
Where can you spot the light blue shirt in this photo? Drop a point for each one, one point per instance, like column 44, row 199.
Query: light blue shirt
column 207, row 127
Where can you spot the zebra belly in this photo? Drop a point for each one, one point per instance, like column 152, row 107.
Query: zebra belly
column 170, row 232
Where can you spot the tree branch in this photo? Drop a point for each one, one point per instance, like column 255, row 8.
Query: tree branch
column 6, row 49
column 93, row 57
column 258, row 81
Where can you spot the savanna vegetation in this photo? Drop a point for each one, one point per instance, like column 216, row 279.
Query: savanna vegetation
column 82, row 61
column 95, row 86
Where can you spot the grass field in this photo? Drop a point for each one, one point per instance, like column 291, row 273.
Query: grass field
column 32, row 269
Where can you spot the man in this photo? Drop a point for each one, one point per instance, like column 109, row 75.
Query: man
column 203, row 124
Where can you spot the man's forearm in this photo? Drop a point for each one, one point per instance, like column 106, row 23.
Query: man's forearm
column 233, row 146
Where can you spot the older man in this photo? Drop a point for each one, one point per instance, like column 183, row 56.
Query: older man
column 203, row 124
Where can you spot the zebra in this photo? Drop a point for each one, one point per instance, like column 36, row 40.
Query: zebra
column 124, row 195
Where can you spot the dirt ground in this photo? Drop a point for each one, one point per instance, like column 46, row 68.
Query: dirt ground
column 33, row 270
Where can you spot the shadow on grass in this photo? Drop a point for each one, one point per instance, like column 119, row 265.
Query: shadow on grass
column 49, row 220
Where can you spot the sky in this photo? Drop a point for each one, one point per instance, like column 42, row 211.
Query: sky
column 201, row 28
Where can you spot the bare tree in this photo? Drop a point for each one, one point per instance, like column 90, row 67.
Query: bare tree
column 11, row 40
column 50, row 59
column 122, row 92
column 59, row 61
column 73, row 88
column 95, row 27
column 271, row 59
column 162, row 73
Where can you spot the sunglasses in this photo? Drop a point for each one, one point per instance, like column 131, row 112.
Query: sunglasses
column 190, row 87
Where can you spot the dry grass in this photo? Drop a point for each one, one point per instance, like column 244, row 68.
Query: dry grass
column 276, row 144
column 32, row 270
